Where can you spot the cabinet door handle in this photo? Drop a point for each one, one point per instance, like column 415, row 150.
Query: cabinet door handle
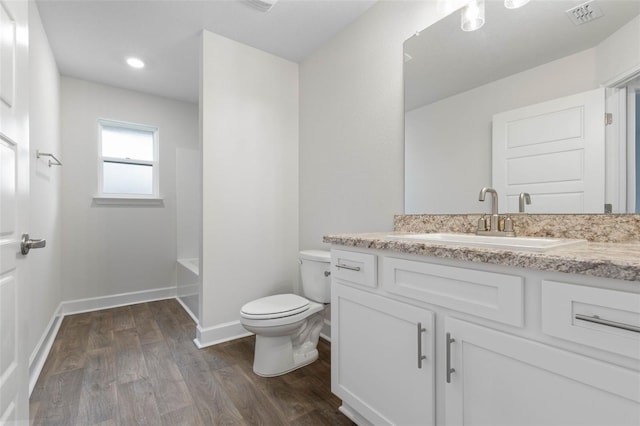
column 351, row 268
column 450, row 370
column 420, row 356
column 597, row 320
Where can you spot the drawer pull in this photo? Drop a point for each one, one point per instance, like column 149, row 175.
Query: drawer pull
column 421, row 330
column 450, row 370
column 351, row 268
column 597, row 320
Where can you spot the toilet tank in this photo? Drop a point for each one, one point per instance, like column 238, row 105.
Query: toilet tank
column 315, row 266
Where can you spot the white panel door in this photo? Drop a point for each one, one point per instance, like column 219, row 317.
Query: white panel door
column 554, row 151
column 14, row 196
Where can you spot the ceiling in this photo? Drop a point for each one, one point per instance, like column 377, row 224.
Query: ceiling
column 90, row 39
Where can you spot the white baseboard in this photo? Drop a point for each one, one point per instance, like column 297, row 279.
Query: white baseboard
column 43, row 347
column 326, row 330
column 113, row 301
column 353, row 415
column 220, row 333
column 234, row 330
column 41, row 351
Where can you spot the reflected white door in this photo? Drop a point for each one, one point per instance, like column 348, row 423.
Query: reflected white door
column 14, row 202
column 554, row 151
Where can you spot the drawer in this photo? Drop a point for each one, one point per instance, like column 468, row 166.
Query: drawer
column 353, row 267
column 602, row 318
column 495, row 296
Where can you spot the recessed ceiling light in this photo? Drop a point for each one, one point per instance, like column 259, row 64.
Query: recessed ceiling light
column 135, row 63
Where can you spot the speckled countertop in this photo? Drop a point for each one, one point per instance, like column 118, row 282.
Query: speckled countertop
column 607, row 260
column 618, row 260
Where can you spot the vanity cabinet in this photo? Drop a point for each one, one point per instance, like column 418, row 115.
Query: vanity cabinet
column 499, row 379
column 382, row 358
column 510, row 345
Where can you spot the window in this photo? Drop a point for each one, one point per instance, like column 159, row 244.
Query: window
column 128, row 160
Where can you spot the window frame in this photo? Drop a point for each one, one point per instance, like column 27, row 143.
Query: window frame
column 123, row 198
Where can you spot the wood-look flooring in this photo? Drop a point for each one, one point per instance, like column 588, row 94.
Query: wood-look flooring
column 137, row 365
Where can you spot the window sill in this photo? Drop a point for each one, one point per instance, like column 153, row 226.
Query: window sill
column 128, row 200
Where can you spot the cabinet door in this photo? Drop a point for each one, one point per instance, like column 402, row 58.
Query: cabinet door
column 499, row 379
column 375, row 349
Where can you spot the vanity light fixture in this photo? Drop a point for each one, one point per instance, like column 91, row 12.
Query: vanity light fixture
column 472, row 15
column 135, row 62
column 514, row 4
column 261, row 5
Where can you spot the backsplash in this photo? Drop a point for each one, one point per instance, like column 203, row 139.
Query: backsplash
column 610, row 228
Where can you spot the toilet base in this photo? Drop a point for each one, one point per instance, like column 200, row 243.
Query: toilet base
column 277, row 355
column 274, row 356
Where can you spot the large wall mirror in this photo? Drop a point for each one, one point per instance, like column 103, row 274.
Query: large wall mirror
column 457, row 81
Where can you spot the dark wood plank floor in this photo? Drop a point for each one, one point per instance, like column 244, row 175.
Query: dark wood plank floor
column 137, row 365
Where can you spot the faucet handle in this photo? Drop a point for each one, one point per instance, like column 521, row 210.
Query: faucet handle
column 508, row 224
column 482, row 223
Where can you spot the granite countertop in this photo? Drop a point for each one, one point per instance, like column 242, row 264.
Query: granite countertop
column 607, row 260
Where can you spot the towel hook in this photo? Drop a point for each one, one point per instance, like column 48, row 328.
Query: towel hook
column 45, row 154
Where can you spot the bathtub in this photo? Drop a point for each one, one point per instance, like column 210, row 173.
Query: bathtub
column 189, row 286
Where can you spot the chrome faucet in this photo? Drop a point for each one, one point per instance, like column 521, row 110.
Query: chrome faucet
column 496, row 227
column 524, row 197
column 495, row 218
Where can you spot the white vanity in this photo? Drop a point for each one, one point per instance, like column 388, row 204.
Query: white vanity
column 427, row 334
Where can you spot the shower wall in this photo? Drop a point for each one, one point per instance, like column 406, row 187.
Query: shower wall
column 189, row 233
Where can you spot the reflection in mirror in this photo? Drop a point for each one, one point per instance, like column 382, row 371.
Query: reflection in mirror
column 456, row 81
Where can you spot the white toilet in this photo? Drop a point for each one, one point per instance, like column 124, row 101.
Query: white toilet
column 287, row 326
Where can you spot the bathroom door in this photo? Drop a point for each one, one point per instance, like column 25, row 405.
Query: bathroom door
column 555, row 151
column 14, row 214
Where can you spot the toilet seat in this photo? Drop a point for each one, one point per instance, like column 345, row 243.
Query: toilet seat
column 273, row 307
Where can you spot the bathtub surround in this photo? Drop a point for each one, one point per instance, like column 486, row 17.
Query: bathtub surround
column 188, row 201
column 188, row 286
column 249, row 143
column 188, row 229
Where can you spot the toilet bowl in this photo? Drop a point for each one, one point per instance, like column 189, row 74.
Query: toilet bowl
column 287, row 326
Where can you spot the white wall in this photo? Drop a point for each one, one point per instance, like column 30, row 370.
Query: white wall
column 448, row 143
column 351, row 124
column 109, row 250
column 619, row 54
column 45, row 265
column 249, row 121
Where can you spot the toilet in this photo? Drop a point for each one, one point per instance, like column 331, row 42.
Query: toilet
column 287, row 326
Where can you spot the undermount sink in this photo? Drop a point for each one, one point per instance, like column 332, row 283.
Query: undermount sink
column 509, row 243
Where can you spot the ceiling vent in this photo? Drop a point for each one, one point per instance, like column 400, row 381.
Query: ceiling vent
column 584, row 13
column 261, row 5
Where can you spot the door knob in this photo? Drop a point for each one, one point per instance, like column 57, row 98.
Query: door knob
column 27, row 244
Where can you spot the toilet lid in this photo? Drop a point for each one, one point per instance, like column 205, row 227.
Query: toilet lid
column 278, row 306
